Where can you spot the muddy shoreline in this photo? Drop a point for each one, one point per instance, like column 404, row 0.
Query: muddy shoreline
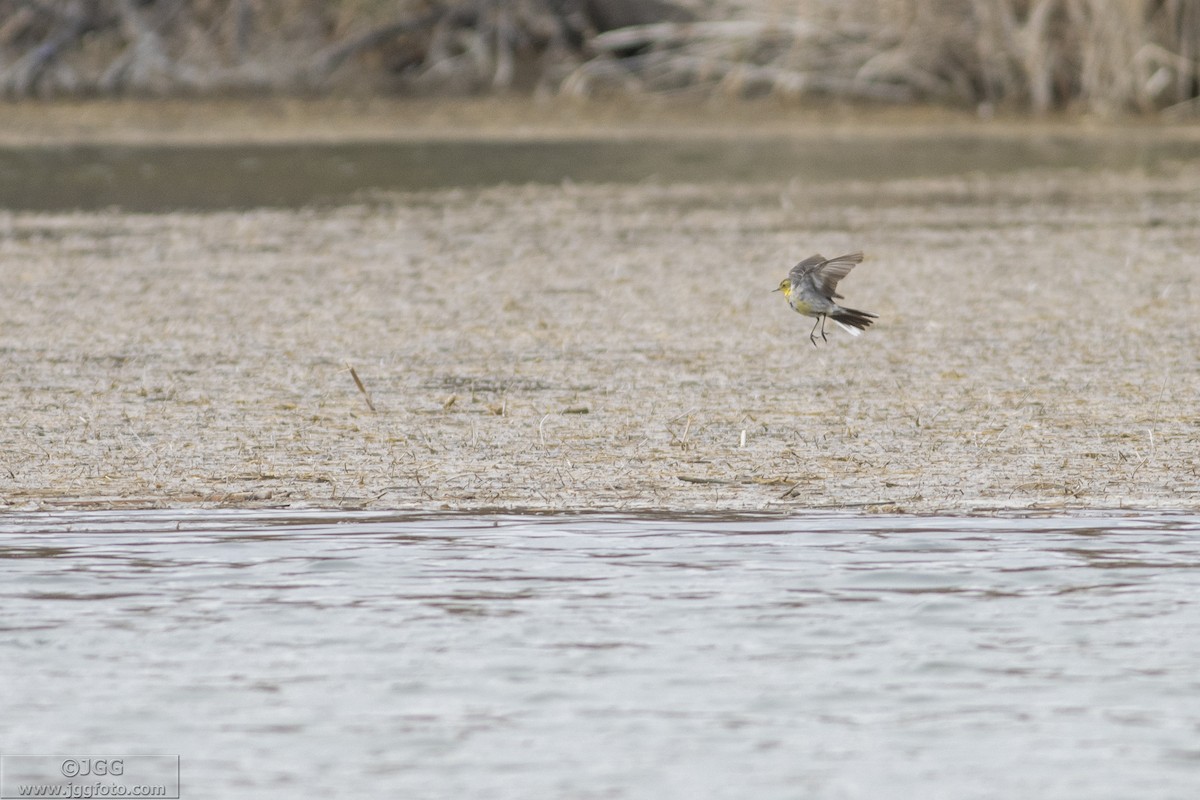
column 606, row 347
column 278, row 119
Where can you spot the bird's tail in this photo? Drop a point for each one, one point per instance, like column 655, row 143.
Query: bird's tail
column 852, row 321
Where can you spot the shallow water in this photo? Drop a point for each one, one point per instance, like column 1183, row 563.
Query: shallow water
column 156, row 178
column 444, row 656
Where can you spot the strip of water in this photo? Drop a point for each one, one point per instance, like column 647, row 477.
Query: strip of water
column 157, row 178
column 441, row 656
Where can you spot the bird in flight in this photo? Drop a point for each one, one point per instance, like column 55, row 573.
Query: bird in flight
column 811, row 289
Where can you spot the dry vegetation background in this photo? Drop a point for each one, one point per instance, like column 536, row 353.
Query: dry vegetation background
column 1104, row 56
column 534, row 347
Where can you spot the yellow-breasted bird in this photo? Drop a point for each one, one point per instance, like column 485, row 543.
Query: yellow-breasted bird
column 811, row 289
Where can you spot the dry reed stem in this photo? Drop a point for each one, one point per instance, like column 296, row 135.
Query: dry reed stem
column 363, row 389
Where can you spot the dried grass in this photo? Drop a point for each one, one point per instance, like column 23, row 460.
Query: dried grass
column 1103, row 56
column 1094, row 55
column 1035, row 349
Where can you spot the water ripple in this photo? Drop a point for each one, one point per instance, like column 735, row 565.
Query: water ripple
column 603, row 656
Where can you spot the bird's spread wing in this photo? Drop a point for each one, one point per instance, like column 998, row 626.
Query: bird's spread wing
column 804, row 267
column 827, row 274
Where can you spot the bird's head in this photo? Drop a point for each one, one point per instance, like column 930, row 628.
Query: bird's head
column 785, row 286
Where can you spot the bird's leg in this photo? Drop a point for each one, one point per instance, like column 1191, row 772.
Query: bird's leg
column 812, row 335
column 823, row 336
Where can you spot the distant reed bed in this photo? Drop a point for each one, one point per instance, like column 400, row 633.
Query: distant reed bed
column 1096, row 56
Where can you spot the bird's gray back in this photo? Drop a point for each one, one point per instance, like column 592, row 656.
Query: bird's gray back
column 823, row 274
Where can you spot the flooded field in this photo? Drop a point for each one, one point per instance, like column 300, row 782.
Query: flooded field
column 588, row 323
column 829, row 656
column 355, row 377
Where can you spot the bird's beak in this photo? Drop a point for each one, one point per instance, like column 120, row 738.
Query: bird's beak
column 777, row 289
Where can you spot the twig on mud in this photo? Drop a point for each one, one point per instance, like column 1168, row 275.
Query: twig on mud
column 682, row 441
column 358, row 382
column 738, row 480
column 701, row 479
column 687, row 413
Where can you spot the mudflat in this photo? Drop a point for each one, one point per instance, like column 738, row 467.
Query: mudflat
column 614, row 346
